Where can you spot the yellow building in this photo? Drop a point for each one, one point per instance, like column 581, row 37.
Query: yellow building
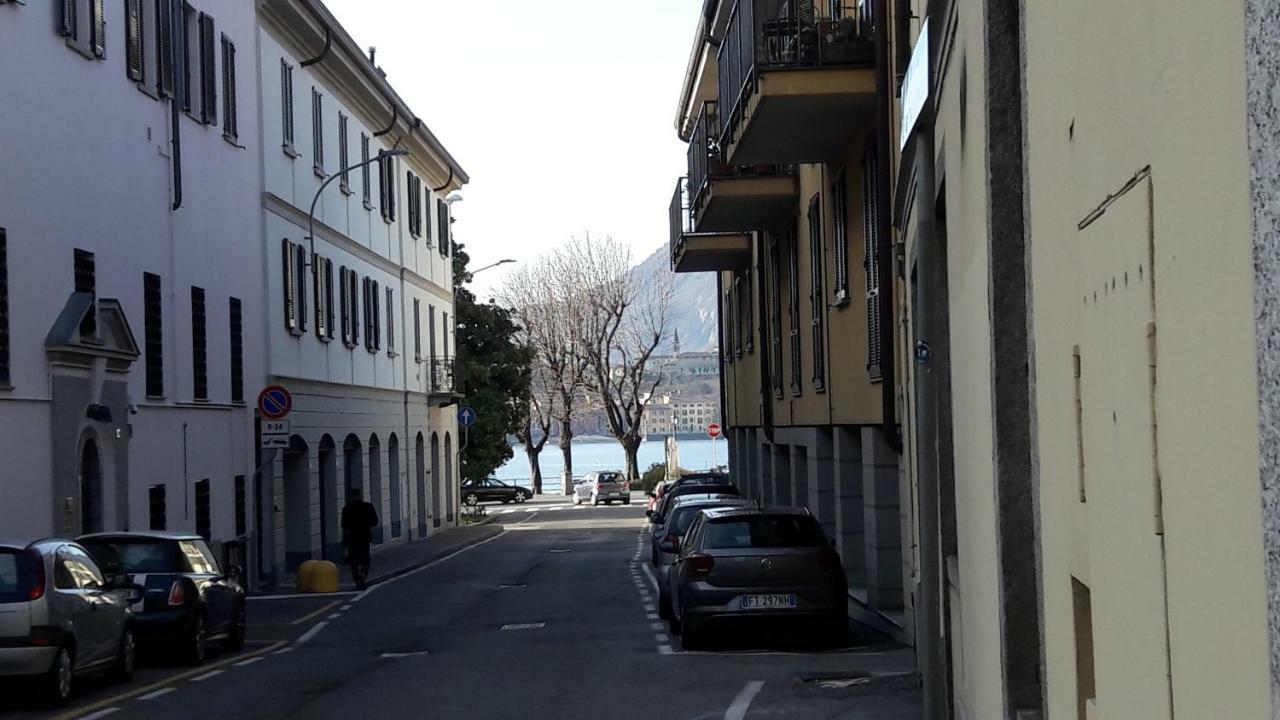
column 1089, row 227
column 786, row 110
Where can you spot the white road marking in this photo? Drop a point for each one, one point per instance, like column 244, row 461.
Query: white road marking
column 651, row 616
column 207, row 676
column 652, row 579
column 335, row 616
column 301, row 596
column 524, row 626
column 657, row 626
column 315, row 630
column 250, row 661
column 648, row 607
column 433, row 563
column 738, row 709
column 664, row 649
column 346, row 607
column 158, row 693
column 283, row 651
column 392, row 656
column 101, row 713
column 660, row 637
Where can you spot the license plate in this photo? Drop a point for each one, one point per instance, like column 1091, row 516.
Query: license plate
column 768, row 602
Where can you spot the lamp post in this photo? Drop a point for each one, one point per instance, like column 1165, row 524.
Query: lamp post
column 472, row 273
column 311, row 214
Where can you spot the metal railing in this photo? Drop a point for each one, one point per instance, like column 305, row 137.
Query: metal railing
column 681, row 218
column 444, row 378
column 704, row 152
column 787, row 34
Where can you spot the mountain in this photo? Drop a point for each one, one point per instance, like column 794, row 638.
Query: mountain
column 693, row 303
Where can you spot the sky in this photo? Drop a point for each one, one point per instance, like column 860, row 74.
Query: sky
column 562, row 112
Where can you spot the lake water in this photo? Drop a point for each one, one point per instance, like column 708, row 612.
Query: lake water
column 588, row 456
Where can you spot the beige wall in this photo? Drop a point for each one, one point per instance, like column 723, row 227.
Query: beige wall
column 1173, row 101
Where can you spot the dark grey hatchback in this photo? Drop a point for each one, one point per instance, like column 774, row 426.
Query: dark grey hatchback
column 739, row 564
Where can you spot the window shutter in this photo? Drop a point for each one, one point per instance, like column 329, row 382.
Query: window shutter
column 343, row 159
column 237, row 350
column 133, row 39
column 4, row 308
column 230, row 118
column 317, row 130
column 153, row 323
column 300, row 286
column 199, row 345
column 417, row 331
column 317, row 283
column 382, row 185
column 98, row 31
column 840, row 211
column 442, row 217
column 391, row 321
column 290, row 280
column 164, row 46
column 208, row 76
column 366, row 174
column 355, row 308
column 364, row 298
column 286, row 104
column 817, row 295
column 343, row 289
column 328, row 295
column 871, row 265
column 68, row 16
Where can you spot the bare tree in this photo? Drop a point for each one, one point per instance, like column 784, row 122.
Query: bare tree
column 549, row 307
column 623, row 320
column 536, row 430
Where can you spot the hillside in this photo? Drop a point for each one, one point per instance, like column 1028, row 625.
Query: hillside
column 693, row 304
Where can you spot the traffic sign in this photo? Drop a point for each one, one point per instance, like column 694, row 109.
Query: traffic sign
column 274, row 442
column 713, row 430
column 466, row 416
column 274, row 402
column 275, row 435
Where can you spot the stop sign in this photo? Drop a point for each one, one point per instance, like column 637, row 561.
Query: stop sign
column 713, row 430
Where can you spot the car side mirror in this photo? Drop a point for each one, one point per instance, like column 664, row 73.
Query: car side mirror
column 650, row 494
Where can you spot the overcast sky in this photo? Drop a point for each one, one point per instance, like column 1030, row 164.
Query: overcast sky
column 561, row 112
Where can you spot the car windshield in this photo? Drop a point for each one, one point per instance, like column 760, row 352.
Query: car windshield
column 764, row 532
column 138, row 556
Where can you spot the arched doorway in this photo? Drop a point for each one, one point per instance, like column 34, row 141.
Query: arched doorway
column 437, row 516
column 420, row 475
column 297, row 505
column 375, row 485
column 90, row 487
column 393, row 472
column 449, row 481
column 352, row 467
column 330, row 537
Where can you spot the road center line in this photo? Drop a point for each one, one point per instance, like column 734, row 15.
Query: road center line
column 158, row 693
column 101, row 713
column 738, row 709
column 315, row 630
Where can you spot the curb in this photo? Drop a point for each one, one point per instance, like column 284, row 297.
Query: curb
column 490, row 532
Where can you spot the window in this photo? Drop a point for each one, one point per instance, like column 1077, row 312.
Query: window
column 391, row 323
column 417, row 330
column 431, row 331
column 343, row 159
column 413, row 186
column 448, row 330
column 199, row 558
column 153, row 322
column 294, row 265
column 237, row 351
column 199, row 345
column 350, row 308
column 5, row 377
column 190, row 30
column 871, row 264
column 242, row 507
column 208, row 72
column 286, row 107
column 366, row 173
column 323, row 277
column 387, row 186
column 135, row 58
column 731, row 301
column 204, row 521
column 70, row 20
column 840, row 220
column 230, row 117
column 442, row 218
column 165, row 47
column 98, row 28
column 157, row 516
column 86, row 282
column 793, row 307
column 317, row 131
column 372, row 316
column 817, row 296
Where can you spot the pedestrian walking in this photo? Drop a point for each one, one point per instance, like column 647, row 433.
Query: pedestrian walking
column 359, row 518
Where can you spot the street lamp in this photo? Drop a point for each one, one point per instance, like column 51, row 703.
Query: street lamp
column 472, row 273
column 311, row 215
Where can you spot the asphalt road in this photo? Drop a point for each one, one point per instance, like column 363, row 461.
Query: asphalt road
column 553, row 618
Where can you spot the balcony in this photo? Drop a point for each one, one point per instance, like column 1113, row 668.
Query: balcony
column 703, row 252
column 444, row 382
column 793, row 83
column 734, row 198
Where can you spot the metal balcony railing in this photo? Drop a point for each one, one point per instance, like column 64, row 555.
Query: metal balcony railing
column 706, row 161
column 788, row 34
column 444, row 378
column 681, row 218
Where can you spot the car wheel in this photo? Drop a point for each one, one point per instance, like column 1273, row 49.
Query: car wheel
column 197, row 642
column 236, row 634
column 470, row 499
column 626, row 501
column 56, row 683
column 126, row 658
column 577, row 500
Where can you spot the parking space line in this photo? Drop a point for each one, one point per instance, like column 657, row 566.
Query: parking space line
column 651, row 616
column 648, row 607
column 658, row 627
column 664, row 649
column 101, row 713
column 334, row 616
column 207, row 676
column 315, row 630
column 158, row 693
column 129, row 695
column 738, row 709
column 316, row 613
column 250, row 661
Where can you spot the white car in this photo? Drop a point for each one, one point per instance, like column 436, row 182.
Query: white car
column 602, row 486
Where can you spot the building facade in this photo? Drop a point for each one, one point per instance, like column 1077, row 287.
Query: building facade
column 360, row 318
column 130, row 305
column 785, row 108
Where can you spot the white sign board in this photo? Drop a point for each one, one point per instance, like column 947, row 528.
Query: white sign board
column 275, row 435
column 915, row 87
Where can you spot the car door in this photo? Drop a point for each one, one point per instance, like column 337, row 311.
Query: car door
column 217, row 591
column 495, row 490
column 675, row 571
column 75, row 607
column 583, row 488
column 108, row 611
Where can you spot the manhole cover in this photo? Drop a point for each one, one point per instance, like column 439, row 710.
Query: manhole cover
column 524, row 626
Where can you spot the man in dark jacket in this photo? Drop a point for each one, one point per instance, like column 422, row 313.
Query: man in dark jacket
column 359, row 518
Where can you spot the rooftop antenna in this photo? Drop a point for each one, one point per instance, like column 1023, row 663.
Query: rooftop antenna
column 373, row 55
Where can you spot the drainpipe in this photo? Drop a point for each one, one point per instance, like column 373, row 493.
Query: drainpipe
column 885, row 252
column 175, row 115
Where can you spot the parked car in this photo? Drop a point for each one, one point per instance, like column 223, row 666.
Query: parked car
column 655, row 496
column 60, row 618
column 738, row 564
column 492, row 489
column 603, row 486
column 703, row 478
column 667, row 536
column 659, row 514
column 188, row 600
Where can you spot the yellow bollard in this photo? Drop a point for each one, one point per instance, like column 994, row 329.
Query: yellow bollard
column 318, row 576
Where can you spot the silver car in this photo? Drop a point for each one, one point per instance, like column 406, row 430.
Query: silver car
column 59, row 617
column 602, row 486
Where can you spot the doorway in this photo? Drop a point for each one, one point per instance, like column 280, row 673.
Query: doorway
column 90, row 488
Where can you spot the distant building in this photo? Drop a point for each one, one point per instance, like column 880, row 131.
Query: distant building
column 659, row 417
column 692, row 414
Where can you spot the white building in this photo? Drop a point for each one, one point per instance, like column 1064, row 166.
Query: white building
column 359, row 322
column 130, row 309
column 692, row 414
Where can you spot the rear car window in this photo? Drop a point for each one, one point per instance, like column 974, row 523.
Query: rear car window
column 609, row 477
column 13, row 576
column 137, row 556
column 764, row 532
column 683, row 517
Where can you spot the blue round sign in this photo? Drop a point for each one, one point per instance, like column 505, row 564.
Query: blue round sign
column 466, row 416
column 275, row 402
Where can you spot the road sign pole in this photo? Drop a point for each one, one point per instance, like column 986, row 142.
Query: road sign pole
column 713, row 452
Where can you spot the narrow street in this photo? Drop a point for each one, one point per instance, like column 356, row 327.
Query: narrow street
column 553, row 618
